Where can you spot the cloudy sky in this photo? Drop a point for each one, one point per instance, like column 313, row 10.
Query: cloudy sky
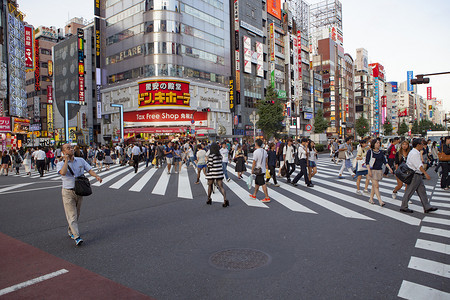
column 402, row 35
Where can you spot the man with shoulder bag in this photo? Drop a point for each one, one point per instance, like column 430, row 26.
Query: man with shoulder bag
column 72, row 170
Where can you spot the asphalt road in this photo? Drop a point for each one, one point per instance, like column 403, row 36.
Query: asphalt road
column 166, row 243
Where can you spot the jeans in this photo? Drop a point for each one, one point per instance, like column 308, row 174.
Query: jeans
column 224, row 168
column 303, row 172
column 192, row 160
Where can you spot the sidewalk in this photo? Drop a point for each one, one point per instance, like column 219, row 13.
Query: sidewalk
column 30, row 273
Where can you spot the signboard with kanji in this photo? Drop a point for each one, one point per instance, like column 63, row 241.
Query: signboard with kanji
column 164, row 93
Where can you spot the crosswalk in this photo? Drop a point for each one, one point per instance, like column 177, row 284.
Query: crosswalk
column 330, row 194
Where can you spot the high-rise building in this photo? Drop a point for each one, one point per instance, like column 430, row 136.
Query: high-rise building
column 391, row 97
column 347, row 112
column 168, row 63
column 378, row 106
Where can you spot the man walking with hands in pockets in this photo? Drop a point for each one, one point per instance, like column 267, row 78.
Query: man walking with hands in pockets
column 70, row 168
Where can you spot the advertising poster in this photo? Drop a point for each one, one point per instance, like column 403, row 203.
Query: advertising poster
column 274, row 8
column 164, row 93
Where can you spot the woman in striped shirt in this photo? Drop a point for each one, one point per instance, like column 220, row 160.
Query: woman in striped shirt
column 215, row 173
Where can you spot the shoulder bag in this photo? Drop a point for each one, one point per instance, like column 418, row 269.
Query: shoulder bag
column 82, row 185
column 404, row 173
column 443, row 157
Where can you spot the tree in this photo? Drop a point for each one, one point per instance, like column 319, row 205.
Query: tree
column 387, row 128
column 320, row 123
column 362, row 126
column 270, row 111
column 403, row 128
column 415, row 129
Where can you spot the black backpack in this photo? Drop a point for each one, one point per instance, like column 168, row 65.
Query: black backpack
column 296, row 158
column 100, row 155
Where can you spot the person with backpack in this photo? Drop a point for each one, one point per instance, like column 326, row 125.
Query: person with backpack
column 259, row 167
column 391, row 152
column 100, row 155
column 17, row 161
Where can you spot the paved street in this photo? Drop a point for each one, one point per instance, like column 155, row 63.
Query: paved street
column 153, row 233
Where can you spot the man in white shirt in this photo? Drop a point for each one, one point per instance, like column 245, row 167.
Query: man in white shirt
column 135, row 152
column 260, row 161
column 201, row 162
column 224, row 153
column 414, row 162
column 40, row 156
column 302, row 155
column 288, row 157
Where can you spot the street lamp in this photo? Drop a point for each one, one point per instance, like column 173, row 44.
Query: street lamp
column 120, row 106
column 254, row 118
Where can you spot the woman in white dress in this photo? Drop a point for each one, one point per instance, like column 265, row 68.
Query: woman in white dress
column 27, row 161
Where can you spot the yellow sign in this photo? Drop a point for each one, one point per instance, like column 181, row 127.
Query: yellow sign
column 50, row 117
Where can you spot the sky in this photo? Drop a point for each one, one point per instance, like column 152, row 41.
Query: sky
column 402, row 35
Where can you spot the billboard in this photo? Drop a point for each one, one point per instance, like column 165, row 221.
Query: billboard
column 164, row 93
column 37, row 75
column 97, row 42
column 274, row 8
column 231, row 95
column 49, row 118
column 272, row 42
column 376, row 105
column 97, row 8
column 429, row 93
column 394, row 85
column 377, row 71
column 49, row 94
column 259, row 60
column 409, row 76
column 161, row 117
column 5, row 124
column 80, row 44
column 247, row 54
column 29, row 47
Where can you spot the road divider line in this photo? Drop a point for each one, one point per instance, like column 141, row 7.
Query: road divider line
column 31, row 282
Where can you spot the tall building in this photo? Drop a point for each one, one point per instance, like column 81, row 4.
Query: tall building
column 363, row 86
column 168, row 63
column 391, row 98
column 14, row 122
column 347, row 113
column 379, row 107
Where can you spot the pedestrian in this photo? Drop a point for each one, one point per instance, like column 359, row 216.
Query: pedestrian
column 224, row 152
column 335, row 147
column 303, row 155
column 346, row 154
column 214, row 175
column 177, row 161
column 272, row 163
column 361, row 169
column 6, row 161
column 280, row 158
column 445, row 179
column 99, row 157
column 240, row 161
column 375, row 161
column 108, row 160
column 400, row 157
column 190, row 156
column 169, row 153
column 391, row 152
column 415, row 163
column 40, row 157
column 259, row 166
column 27, row 161
column 135, row 153
column 200, row 161
column 434, row 153
column 70, row 168
column 312, row 158
column 17, row 161
column 288, row 158
column 52, row 157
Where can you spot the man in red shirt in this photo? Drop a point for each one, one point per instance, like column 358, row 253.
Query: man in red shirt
column 391, row 154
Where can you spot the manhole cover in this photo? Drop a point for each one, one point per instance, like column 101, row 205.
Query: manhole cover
column 239, row 259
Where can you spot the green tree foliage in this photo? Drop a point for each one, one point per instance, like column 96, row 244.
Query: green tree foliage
column 403, row 128
column 320, row 123
column 362, row 126
column 270, row 111
column 415, row 129
column 387, row 128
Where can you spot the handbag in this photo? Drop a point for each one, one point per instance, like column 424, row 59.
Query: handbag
column 404, row 173
column 283, row 170
column 443, row 157
column 82, row 185
column 372, row 159
column 257, row 171
column 267, row 174
column 341, row 154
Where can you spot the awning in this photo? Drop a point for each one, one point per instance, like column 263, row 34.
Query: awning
column 155, row 130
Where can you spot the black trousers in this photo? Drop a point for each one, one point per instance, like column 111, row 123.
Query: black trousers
column 40, row 165
column 445, row 179
column 303, row 172
column 290, row 168
column 391, row 162
column 272, row 174
column 135, row 163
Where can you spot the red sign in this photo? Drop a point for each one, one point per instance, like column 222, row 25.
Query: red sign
column 384, row 101
column 164, row 93
column 429, row 94
column 29, row 47
column 49, row 94
column 377, row 70
column 81, row 90
column 164, row 117
column 299, row 53
column 308, row 127
column 5, row 124
column 403, row 113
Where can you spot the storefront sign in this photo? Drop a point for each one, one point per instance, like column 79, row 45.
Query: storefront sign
column 37, row 107
column 29, row 54
column 80, row 35
column 231, row 95
column 21, row 125
column 5, row 124
column 36, row 127
column 271, row 42
column 164, row 93
column 164, row 117
column 97, row 41
column 259, row 60
column 81, row 98
column 49, row 94
column 307, row 116
column 50, row 117
column 50, row 68
column 46, row 32
column 37, row 82
column 97, row 8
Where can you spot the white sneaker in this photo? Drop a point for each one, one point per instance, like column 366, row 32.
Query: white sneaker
column 394, row 195
column 358, row 192
column 277, row 185
column 228, row 180
column 410, row 202
column 366, row 192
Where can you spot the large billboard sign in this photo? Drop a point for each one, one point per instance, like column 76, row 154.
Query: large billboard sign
column 409, row 76
column 81, row 83
column 167, row 93
column 394, row 85
column 274, row 8
column 29, row 47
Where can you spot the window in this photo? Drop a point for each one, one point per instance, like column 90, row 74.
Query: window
column 125, row 34
column 201, row 15
column 46, row 51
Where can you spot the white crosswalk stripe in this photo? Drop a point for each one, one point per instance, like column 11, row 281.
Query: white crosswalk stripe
column 184, row 186
column 161, row 185
column 139, row 185
column 413, row 291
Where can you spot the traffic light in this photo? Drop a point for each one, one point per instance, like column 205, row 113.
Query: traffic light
column 294, row 121
column 206, row 109
column 420, row 80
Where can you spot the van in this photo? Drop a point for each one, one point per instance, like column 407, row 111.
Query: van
column 385, row 141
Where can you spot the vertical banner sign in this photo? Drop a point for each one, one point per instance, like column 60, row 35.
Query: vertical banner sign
column 37, row 83
column 97, row 41
column 99, row 102
column 247, row 54
column 429, row 94
column 37, row 109
column 260, row 60
column 80, row 35
column 299, row 49
column 97, row 8
column 50, row 68
column 231, row 95
column 29, row 43
column 49, row 94
column 50, row 118
column 272, row 42
column 410, row 76
column 236, row 32
column 376, row 105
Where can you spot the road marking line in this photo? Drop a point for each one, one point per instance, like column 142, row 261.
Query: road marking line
column 30, row 190
column 161, row 185
column 15, row 186
column 433, row 246
column 435, row 231
column 139, row 185
column 429, row 266
column 31, row 282
column 184, row 186
column 440, row 204
column 411, row 290
column 436, row 220
column 124, row 169
column 442, row 193
column 441, row 198
column 121, row 182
